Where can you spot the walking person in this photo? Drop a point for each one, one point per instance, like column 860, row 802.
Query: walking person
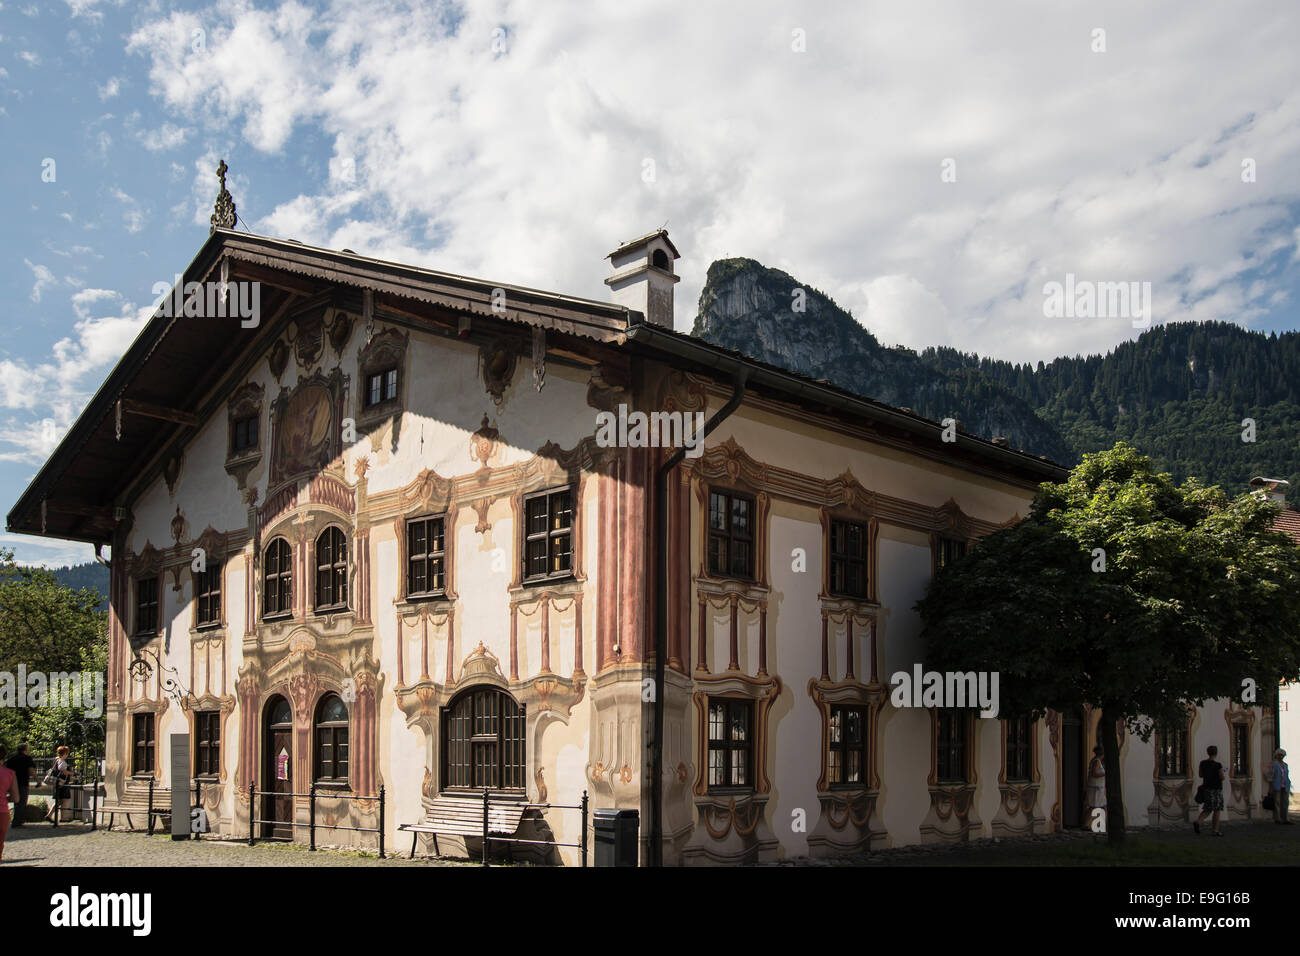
column 8, row 791
column 1095, row 794
column 59, row 776
column 1210, row 793
column 21, row 763
column 1280, row 786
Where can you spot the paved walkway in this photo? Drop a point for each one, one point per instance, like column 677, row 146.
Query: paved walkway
column 40, row 844
column 1243, row 844
column 1259, row 843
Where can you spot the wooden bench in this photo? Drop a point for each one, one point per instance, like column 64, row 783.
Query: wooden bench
column 455, row 815
column 135, row 801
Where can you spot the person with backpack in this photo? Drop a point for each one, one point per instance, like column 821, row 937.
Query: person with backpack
column 59, row 777
column 1210, row 793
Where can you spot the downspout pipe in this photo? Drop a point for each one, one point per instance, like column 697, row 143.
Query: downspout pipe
column 661, row 613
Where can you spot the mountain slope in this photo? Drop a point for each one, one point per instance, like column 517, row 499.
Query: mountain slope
column 748, row 307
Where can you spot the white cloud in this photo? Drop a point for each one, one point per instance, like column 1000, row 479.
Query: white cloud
column 87, row 8
column 85, row 298
column 30, row 57
column 527, row 165
column 132, row 215
column 167, row 136
column 52, row 552
column 49, row 394
column 111, row 88
column 44, row 279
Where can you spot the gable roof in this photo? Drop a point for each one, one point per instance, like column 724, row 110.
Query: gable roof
column 175, row 365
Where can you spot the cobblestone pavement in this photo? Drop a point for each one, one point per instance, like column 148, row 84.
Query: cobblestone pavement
column 40, row 844
column 1243, row 844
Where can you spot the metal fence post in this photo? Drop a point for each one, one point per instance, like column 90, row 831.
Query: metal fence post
column 485, row 826
column 198, row 804
column 381, row 821
column 94, row 800
column 149, row 812
column 252, row 807
column 584, row 828
column 311, row 817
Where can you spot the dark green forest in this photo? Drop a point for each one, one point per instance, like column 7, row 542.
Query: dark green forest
column 92, row 575
column 1178, row 393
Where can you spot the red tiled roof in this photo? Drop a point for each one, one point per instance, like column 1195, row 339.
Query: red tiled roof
column 1288, row 521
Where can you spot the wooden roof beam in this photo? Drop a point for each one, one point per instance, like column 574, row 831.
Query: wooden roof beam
column 133, row 406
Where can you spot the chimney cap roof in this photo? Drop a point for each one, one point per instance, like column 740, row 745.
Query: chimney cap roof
column 643, row 240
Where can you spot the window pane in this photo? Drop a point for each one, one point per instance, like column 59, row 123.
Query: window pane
column 717, row 555
column 537, row 516
column 717, row 512
column 740, row 557
column 853, row 726
column 562, row 510
column 537, row 556
column 561, row 553
column 739, row 722
column 739, row 516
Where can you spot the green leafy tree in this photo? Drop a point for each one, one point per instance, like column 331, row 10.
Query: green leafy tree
column 47, row 627
column 1198, row 594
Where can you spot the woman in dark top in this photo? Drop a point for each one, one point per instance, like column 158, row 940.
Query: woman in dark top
column 1210, row 796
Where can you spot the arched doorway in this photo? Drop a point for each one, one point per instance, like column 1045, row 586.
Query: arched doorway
column 277, row 770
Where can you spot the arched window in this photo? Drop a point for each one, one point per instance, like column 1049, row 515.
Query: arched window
column 331, row 570
column 331, row 740
column 483, row 741
column 660, row 260
column 277, row 579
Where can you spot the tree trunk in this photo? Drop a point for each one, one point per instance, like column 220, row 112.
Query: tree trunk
column 1114, row 785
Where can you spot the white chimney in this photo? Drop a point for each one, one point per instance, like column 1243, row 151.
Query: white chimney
column 643, row 278
column 1272, row 488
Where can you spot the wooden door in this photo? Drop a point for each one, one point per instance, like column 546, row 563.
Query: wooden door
column 1072, row 770
column 277, row 809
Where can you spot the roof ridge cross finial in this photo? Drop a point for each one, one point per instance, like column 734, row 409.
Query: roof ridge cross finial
column 223, row 211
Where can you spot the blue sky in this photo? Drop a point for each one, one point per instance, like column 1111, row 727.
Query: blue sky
column 523, row 141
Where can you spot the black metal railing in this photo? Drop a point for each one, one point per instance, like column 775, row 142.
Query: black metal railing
column 312, row 796
column 581, row 845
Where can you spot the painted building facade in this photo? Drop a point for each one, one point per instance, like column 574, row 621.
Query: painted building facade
column 375, row 538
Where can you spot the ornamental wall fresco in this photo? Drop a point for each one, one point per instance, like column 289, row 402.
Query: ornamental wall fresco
column 473, row 432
